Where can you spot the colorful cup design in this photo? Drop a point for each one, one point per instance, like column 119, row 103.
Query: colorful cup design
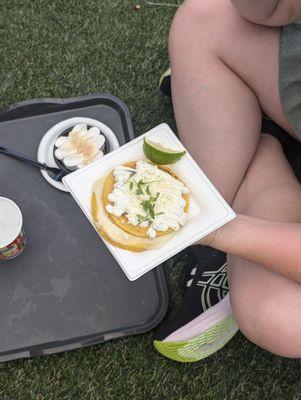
column 12, row 235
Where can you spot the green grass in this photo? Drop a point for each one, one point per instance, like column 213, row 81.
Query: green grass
column 65, row 48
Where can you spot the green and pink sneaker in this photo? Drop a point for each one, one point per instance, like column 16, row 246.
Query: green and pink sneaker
column 204, row 323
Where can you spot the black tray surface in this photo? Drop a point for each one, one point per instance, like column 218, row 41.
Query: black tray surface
column 66, row 290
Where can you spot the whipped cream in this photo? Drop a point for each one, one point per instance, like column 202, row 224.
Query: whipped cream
column 149, row 197
column 81, row 147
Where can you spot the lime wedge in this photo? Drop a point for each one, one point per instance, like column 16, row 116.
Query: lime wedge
column 159, row 154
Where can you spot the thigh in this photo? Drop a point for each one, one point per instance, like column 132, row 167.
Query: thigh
column 250, row 50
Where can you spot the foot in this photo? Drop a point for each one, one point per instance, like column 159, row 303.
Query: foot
column 204, row 322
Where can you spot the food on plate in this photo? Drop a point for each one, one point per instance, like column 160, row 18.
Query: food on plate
column 160, row 155
column 80, row 147
column 139, row 205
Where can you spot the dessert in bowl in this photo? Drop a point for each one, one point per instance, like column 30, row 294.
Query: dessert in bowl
column 79, row 146
column 47, row 148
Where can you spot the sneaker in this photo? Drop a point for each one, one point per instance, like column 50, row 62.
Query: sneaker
column 165, row 83
column 204, row 323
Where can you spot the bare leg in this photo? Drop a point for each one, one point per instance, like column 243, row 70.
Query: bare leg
column 267, row 306
column 223, row 69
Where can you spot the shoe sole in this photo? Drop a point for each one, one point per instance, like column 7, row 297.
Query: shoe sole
column 202, row 346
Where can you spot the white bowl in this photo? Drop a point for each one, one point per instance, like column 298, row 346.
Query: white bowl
column 45, row 150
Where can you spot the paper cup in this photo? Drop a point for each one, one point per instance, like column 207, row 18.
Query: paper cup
column 12, row 236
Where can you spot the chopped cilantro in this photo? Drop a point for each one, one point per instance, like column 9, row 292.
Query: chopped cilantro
column 129, row 178
column 139, row 190
column 149, row 208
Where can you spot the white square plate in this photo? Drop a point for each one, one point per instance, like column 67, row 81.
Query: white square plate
column 208, row 210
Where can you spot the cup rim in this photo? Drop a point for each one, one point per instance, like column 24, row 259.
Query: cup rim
column 17, row 231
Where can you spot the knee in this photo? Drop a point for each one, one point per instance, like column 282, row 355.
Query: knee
column 192, row 16
column 269, row 325
column 214, row 23
column 198, row 10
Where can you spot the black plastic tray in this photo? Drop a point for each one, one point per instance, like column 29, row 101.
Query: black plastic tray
column 66, row 290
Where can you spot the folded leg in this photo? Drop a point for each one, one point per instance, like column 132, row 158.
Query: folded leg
column 224, row 69
column 266, row 305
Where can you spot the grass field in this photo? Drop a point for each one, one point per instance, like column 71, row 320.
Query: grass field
column 66, row 48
